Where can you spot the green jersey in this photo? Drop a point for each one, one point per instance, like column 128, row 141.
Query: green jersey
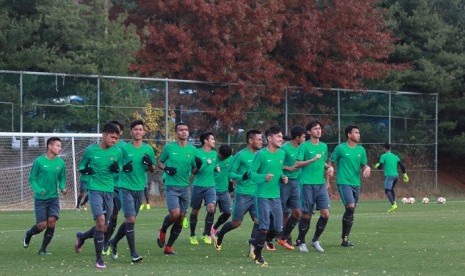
column 289, row 160
column 267, row 162
column 181, row 158
column 100, row 161
column 313, row 173
column 46, row 175
column 120, row 144
column 389, row 161
column 349, row 160
column 222, row 177
column 135, row 180
column 205, row 177
column 241, row 165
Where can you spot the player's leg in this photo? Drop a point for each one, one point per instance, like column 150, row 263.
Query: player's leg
column 293, row 199
column 322, row 204
column 389, row 185
column 172, row 195
column 53, row 213
column 40, row 211
column 84, row 202
column 306, row 207
column 196, row 204
column 102, row 204
column 240, row 207
column 183, row 203
column 349, row 197
column 264, row 211
column 113, row 223
column 132, row 200
column 210, row 202
column 223, row 201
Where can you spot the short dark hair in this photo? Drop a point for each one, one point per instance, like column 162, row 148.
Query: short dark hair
column 273, row 130
column 136, row 123
column 111, row 128
column 297, row 131
column 312, row 124
column 349, row 129
column 387, row 146
column 225, row 151
column 52, row 139
column 179, row 124
column 205, row 136
column 119, row 124
column 251, row 133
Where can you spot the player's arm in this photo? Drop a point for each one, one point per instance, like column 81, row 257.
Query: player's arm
column 161, row 163
column 62, row 179
column 232, row 174
column 84, row 165
column 366, row 169
column 253, row 172
column 33, row 179
column 404, row 171
column 380, row 164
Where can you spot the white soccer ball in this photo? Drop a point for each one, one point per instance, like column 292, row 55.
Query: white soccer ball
column 411, row 200
column 441, row 200
column 404, row 200
column 425, row 200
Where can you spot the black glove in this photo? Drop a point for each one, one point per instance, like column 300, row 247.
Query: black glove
column 170, row 170
column 147, row 161
column 114, row 168
column 198, row 163
column 87, row 170
column 245, row 176
column 231, row 186
column 128, row 167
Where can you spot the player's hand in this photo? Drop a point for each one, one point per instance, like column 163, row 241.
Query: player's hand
column 366, row 171
column 245, row 176
column 114, row 168
column 128, row 167
column 269, row 177
column 147, row 161
column 87, row 170
column 64, row 191
column 231, row 186
column 217, row 169
column 317, row 156
column 330, row 171
column 285, row 179
column 405, row 177
column 198, row 162
column 170, row 170
column 376, row 165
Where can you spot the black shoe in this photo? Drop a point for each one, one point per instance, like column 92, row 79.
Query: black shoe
column 346, row 243
column 113, row 250
column 260, row 261
column 136, row 258
column 26, row 240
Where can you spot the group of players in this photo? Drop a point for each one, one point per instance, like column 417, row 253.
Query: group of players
column 279, row 185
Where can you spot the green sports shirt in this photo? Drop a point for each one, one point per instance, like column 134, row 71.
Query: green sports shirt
column 100, row 161
column 240, row 165
column 222, row 177
column 291, row 154
column 137, row 178
column 205, row 177
column 120, row 144
column 313, row 173
column 349, row 160
column 389, row 161
column 46, row 176
column 267, row 162
column 181, row 158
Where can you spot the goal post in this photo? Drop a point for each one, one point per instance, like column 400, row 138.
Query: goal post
column 18, row 150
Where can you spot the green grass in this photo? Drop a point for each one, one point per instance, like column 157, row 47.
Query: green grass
column 416, row 240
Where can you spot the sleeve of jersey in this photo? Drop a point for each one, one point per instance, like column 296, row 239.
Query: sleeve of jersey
column 33, row 178
column 364, row 158
column 84, row 160
column 152, row 155
column 334, row 155
column 253, row 172
column 62, row 177
column 233, row 169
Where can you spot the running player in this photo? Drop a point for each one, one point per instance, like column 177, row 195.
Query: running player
column 244, row 200
column 102, row 162
column 177, row 160
column 204, row 187
column 267, row 172
column 48, row 172
column 388, row 162
column 138, row 158
column 349, row 157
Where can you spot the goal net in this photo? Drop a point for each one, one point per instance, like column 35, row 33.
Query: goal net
column 18, row 152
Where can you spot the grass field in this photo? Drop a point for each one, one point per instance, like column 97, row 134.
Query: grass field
column 416, row 240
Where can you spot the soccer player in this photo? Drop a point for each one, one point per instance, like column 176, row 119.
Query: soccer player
column 314, row 183
column 82, row 193
column 290, row 192
column 244, row 200
column 349, row 157
column 147, row 197
column 222, row 186
column 138, row 158
column 267, row 172
column 204, row 187
column 388, row 162
column 177, row 160
column 48, row 172
column 102, row 162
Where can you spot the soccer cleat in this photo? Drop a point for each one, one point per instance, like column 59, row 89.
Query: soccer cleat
column 100, row 265
column 285, row 244
column 303, row 247
column 393, row 208
column 79, row 242
column 147, row 206
column 213, row 232
column 193, row 240
column 251, row 250
column 270, row 246
column 161, row 238
column 26, row 240
column 317, row 246
column 44, row 253
column 136, row 258
column 77, row 209
column 84, row 207
column 346, row 243
column 206, row 239
column 169, row 251
column 113, row 250
column 185, row 223
column 289, row 240
column 260, row 261
column 141, row 207
column 106, row 250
